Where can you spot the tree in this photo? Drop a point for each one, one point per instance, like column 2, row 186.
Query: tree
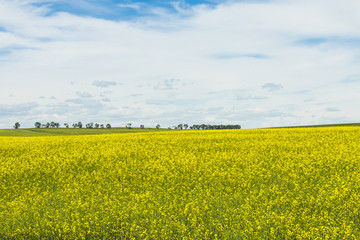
column 142, row 126
column 128, row 125
column 37, row 125
column 158, row 126
column 102, row 125
column 180, row 126
column 97, row 125
column 66, row 125
column 79, row 125
column 108, row 125
column 75, row 125
column 186, row 126
column 89, row 125
column 17, row 125
column 211, row 127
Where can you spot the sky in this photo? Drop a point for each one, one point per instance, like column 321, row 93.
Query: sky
column 257, row 63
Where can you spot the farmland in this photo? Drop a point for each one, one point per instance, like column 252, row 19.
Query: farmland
column 33, row 132
column 301, row 183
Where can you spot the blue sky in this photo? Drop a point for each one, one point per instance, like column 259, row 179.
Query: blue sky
column 255, row 63
column 120, row 10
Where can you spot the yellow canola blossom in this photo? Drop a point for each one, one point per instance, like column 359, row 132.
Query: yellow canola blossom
column 301, row 183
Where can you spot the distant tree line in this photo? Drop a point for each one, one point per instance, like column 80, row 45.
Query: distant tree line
column 211, row 127
column 47, row 125
column 75, row 125
column 205, row 127
column 97, row 125
column 185, row 126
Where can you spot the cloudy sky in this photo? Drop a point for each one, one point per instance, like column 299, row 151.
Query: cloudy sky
column 258, row 63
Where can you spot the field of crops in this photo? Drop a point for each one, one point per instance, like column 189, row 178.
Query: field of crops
column 237, row 184
column 37, row 132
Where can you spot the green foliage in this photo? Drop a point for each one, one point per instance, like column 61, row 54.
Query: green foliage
column 28, row 132
column 37, row 125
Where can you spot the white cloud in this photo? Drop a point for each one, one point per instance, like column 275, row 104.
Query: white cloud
column 83, row 94
column 237, row 45
column 16, row 110
column 272, row 86
column 135, row 6
column 169, row 84
column 250, row 97
column 333, row 110
column 104, row 84
column 352, row 79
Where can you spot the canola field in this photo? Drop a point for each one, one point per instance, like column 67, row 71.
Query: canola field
column 301, row 183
